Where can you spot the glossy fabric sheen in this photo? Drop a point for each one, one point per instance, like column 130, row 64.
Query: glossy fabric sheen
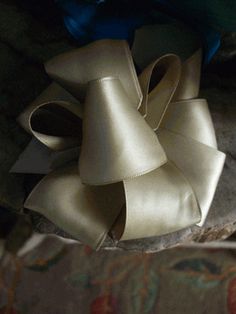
column 117, row 142
column 148, row 163
column 176, row 208
column 104, row 58
column 54, row 94
column 59, row 194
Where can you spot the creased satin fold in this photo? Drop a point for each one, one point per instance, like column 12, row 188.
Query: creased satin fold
column 148, row 162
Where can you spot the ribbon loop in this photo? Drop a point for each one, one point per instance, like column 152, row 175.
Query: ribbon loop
column 54, row 118
column 189, row 83
column 117, row 143
column 155, row 101
column 104, row 58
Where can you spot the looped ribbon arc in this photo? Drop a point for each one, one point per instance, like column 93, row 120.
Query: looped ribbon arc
column 148, row 161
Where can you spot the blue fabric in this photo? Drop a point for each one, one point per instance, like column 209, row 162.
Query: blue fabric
column 91, row 20
column 78, row 18
column 87, row 22
column 211, row 42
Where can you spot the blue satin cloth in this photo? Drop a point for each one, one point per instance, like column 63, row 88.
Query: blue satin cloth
column 89, row 21
column 118, row 19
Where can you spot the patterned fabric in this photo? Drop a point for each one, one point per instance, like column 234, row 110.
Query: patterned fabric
column 71, row 279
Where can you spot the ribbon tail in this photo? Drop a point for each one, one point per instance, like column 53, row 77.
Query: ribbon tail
column 36, row 158
column 164, row 74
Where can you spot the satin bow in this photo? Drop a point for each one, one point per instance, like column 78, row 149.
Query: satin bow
column 148, row 158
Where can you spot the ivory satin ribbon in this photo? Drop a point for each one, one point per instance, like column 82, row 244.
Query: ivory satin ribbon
column 148, row 162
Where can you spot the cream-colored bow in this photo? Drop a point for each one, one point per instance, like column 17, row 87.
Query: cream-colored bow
column 148, row 163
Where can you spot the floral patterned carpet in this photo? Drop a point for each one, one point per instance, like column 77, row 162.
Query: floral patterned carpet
column 59, row 278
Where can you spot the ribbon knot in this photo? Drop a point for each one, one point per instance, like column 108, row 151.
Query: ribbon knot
column 148, row 162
